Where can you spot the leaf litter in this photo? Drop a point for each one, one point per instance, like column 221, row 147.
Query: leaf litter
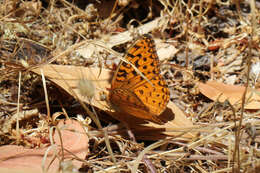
column 205, row 48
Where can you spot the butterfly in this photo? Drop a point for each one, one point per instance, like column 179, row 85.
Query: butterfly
column 133, row 94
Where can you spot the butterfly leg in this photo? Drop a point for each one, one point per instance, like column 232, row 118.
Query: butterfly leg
column 129, row 132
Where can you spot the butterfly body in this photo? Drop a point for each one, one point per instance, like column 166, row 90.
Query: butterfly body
column 144, row 96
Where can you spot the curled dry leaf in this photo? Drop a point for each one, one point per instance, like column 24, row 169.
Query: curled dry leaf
column 233, row 93
column 67, row 77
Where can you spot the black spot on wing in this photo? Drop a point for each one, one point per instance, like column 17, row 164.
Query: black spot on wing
column 134, row 73
column 130, row 55
column 121, row 73
column 141, row 92
column 137, row 65
column 136, row 46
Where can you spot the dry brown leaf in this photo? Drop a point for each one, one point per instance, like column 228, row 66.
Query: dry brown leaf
column 13, row 157
column 67, row 77
column 233, row 93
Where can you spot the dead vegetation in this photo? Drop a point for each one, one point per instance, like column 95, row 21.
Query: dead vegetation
column 209, row 54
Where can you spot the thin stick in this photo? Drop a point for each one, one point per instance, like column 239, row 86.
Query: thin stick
column 46, row 96
column 252, row 5
column 18, row 109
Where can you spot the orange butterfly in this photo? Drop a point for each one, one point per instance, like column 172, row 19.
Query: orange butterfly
column 130, row 92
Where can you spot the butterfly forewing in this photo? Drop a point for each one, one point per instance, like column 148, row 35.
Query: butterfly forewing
column 144, row 57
